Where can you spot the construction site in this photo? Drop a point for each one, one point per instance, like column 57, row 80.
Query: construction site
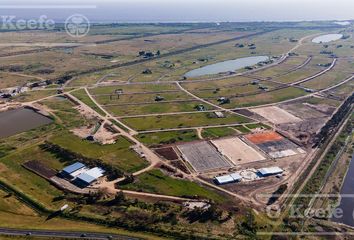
column 162, row 125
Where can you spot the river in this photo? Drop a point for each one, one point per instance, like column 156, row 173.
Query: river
column 347, row 200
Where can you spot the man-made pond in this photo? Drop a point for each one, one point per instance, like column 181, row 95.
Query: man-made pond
column 327, row 38
column 20, row 120
column 347, row 200
column 226, row 66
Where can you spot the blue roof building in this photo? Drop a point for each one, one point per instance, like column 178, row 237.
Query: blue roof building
column 72, row 168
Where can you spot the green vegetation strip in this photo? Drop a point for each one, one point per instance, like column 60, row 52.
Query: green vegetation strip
column 157, row 182
column 218, row 132
column 157, row 138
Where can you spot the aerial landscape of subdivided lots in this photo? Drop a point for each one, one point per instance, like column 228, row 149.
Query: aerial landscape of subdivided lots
column 178, row 131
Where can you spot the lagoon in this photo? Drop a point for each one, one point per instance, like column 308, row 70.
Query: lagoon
column 226, row 66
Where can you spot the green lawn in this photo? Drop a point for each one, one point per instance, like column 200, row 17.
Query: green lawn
column 182, row 120
column 157, row 182
column 162, row 107
column 242, row 129
column 118, row 154
column 266, row 97
column 257, row 125
column 167, row 137
column 218, row 132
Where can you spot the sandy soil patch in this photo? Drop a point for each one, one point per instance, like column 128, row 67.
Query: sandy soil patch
column 87, row 112
column 105, row 136
column 237, row 151
column 276, row 115
column 82, row 132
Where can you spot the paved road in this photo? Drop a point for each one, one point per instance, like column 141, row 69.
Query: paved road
column 63, row 234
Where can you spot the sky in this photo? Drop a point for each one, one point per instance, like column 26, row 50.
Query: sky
column 183, row 10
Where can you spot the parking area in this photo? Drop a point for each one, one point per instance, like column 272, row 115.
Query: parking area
column 203, row 156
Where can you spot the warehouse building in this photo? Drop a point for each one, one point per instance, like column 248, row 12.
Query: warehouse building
column 266, row 172
column 69, row 170
column 225, row 179
column 87, row 178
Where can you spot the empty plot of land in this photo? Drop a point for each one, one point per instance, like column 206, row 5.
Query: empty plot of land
column 203, row 157
column 237, row 151
column 167, row 153
column 303, row 111
column 278, row 149
column 276, row 115
column 40, row 169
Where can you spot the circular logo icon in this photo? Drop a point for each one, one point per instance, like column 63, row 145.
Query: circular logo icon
column 77, row 25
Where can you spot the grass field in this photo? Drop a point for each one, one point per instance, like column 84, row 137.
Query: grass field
column 218, row 132
column 167, row 137
column 34, row 95
column 67, row 115
column 14, row 214
column 156, row 182
column 242, row 129
column 153, row 108
column 27, row 182
column 182, row 120
column 119, row 154
column 140, row 97
column 257, row 125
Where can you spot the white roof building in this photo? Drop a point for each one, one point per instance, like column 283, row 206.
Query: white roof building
column 219, row 114
column 91, row 175
column 224, row 179
column 234, row 177
column 78, row 172
column 237, row 177
column 270, row 171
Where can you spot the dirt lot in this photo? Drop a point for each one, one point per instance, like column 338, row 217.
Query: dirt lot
column 276, row 115
column 314, row 117
column 40, row 169
column 237, row 151
column 168, row 153
column 203, row 156
column 82, row 132
column 105, row 136
column 259, row 138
